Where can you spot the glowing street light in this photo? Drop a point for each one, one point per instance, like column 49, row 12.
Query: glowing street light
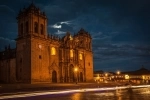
column 106, row 74
column 118, row 72
column 75, row 70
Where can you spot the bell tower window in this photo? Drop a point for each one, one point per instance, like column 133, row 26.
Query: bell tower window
column 35, row 27
column 42, row 28
column 53, row 51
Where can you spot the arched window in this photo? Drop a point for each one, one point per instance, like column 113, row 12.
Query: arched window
column 42, row 28
column 71, row 53
column 53, row 51
column 27, row 27
column 80, row 56
column 35, row 27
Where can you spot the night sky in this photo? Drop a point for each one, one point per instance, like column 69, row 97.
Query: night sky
column 120, row 28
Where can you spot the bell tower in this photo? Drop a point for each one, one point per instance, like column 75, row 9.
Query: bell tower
column 32, row 27
column 31, row 21
column 85, row 53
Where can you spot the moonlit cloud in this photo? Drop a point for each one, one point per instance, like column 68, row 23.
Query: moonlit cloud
column 55, row 26
column 66, row 22
column 59, row 24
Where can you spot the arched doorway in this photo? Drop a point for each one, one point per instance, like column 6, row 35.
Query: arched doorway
column 66, row 74
column 71, row 73
column 81, row 77
column 54, row 76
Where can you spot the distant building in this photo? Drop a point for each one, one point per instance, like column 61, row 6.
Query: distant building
column 141, row 76
column 8, row 65
column 42, row 58
column 101, row 76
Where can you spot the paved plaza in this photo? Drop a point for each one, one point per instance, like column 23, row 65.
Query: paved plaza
column 10, row 88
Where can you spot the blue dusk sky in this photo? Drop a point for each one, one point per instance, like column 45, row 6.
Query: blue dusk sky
column 120, row 29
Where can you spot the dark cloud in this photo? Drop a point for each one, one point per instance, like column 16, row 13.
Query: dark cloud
column 119, row 28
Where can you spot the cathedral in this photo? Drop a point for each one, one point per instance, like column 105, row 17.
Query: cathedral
column 43, row 58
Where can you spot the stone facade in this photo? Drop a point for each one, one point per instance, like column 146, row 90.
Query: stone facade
column 44, row 58
column 8, row 66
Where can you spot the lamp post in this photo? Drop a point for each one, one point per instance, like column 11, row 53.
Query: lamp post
column 76, row 69
column 118, row 73
column 106, row 76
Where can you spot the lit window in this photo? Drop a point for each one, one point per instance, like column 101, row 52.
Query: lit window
column 53, row 51
column 71, row 53
column 127, row 77
column 80, row 56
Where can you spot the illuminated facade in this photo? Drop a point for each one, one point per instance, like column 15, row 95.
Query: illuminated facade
column 100, row 76
column 141, row 76
column 43, row 58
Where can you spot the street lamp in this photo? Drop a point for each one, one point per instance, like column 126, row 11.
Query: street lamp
column 106, row 74
column 118, row 72
column 76, row 69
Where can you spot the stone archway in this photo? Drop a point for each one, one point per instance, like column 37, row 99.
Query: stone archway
column 54, row 76
column 71, row 73
column 81, row 77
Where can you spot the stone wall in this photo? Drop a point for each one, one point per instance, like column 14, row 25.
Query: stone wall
column 8, row 70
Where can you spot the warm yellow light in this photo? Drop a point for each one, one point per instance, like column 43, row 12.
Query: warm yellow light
column 80, row 56
column 118, row 72
column 53, row 51
column 40, row 46
column 106, row 74
column 70, row 37
column 75, row 69
column 112, row 76
column 71, row 53
column 143, row 77
column 98, row 77
column 127, row 77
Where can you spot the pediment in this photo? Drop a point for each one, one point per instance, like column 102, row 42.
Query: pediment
column 53, row 66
